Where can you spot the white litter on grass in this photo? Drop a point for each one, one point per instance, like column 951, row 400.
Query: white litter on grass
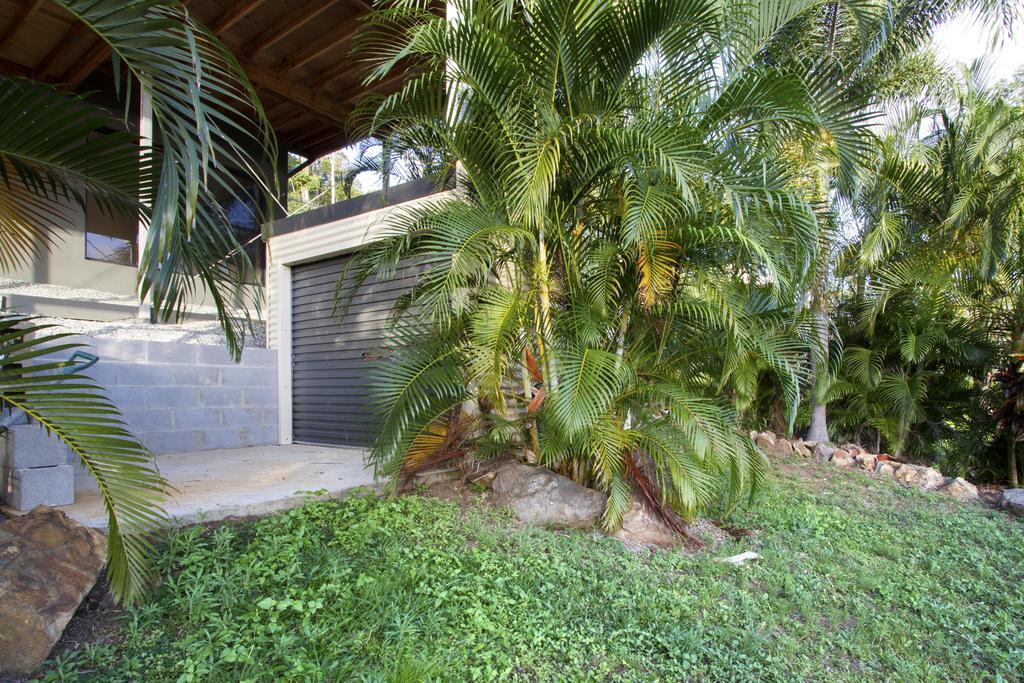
column 741, row 559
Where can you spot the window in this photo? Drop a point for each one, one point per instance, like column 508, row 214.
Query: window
column 111, row 237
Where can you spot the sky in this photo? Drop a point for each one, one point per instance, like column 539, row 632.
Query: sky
column 964, row 40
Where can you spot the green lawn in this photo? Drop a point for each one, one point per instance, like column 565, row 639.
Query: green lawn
column 859, row 580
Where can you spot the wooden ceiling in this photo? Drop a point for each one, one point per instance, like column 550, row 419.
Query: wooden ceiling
column 296, row 52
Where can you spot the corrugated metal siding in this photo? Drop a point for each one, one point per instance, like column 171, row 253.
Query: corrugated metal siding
column 322, row 241
column 330, row 357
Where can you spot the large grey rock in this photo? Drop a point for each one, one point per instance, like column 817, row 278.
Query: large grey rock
column 1012, row 501
column 641, row 527
column 926, row 478
column 823, row 451
column 539, row 496
column 962, row 490
column 48, row 564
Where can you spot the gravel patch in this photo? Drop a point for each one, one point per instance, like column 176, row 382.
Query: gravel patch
column 198, row 332
column 8, row 286
column 206, row 332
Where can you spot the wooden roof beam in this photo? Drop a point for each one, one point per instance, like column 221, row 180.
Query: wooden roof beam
column 88, row 63
column 316, row 105
column 330, row 144
column 284, row 27
column 233, row 15
column 91, row 61
column 315, row 137
column 323, row 44
column 335, row 72
column 42, row 70
column 24, row 15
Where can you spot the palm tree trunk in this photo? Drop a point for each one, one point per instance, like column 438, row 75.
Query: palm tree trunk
column 819, row 417
column 544, row 305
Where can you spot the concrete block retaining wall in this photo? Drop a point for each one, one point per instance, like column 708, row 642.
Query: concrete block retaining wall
column 187, row 397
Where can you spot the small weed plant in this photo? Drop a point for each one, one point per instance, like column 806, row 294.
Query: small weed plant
column 859, row 580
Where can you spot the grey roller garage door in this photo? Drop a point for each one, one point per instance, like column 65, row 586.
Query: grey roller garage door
column 331, row 358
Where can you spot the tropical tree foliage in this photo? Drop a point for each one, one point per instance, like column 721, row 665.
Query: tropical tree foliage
column 56, row 147
column 934, row 282
column 618, row 267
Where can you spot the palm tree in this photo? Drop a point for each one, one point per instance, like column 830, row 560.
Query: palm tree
column 618, row 260
column 55, row 147
column 876, row 53
column 943, row 219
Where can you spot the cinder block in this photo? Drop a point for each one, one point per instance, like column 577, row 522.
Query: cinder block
column 121, row 350
column 264, row 435
column 127, row 397
column 218, row 397
column 249, row 377
column 225, row 438
column 196, row 418
column 25, row 488
column 259, row 358
column 150, row 420
column 174, row 441
column 176, row 353
column 242, row 417
column 104, row 372
column 172, row 397
column 197, row 376
column 16, row 417
column 259, row 397
column 213, row 355
column 30, row 446
column 137, row 374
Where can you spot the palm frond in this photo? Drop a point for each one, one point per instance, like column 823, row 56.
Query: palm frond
column 45, row 178
column 209, row 118
column 75, row 409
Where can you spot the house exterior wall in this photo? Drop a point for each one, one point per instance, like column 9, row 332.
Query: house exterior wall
column 189, row 397
column 65, row 263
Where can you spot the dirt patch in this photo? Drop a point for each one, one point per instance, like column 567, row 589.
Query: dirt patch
column 97, row 621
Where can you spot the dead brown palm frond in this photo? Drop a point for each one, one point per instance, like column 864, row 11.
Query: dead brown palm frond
column 651, row 498
column 444, row 440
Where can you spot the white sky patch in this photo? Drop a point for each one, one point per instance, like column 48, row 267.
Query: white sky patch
column 965, row 39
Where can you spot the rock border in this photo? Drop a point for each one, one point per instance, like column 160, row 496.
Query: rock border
column 854, row 456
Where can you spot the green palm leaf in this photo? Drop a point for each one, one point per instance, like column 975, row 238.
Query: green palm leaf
column 208, row 118
column 74, row 408
column 44, row 178
column 588, row 383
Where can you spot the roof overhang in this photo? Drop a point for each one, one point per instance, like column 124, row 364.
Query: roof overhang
column 297, row 55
